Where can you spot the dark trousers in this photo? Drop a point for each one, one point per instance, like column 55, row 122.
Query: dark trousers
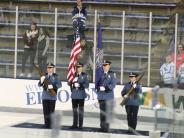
column 78, row 112
column 28, row 52
column 42, row 62
column 48, row 109
column 106, row 108
column 132, row 112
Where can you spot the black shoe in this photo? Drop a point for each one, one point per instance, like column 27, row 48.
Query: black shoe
column 46, row 127
column 100, row 130
column 103, row 130
column 106, row 130
column 80, row 127
column 43, row 126
column 73, row 127
column 129, row 132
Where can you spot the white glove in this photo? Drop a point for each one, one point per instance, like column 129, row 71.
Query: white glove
column 50, row 86
column 125, row 96
column 77, row 85
column 134, row 85
column 75, row 79
column 42, row 79
column 102, row 88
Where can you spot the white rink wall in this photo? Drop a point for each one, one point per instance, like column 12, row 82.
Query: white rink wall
column 21, row 93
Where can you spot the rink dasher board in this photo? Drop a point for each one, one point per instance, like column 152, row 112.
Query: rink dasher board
column 22, row 93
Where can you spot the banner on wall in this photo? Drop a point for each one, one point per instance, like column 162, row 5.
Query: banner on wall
column 27, row 94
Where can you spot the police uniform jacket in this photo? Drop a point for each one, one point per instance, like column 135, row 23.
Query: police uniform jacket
column 53, row 79
column 108, row 80
column 79, row 93
column 134, row 97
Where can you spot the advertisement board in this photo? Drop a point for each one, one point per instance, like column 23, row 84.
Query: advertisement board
column 27, row 94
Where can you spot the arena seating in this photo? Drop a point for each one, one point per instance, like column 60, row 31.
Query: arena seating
column 114, row 2
column 136, row 31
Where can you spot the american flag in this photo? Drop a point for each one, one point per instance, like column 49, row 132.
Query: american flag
column 73, row 58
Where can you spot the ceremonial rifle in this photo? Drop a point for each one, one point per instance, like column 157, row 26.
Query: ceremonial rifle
column 46, row 81
column 131, row 90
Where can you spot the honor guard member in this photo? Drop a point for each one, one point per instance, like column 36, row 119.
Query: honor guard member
column 48, row 100
column 78, row 86
column 105, row 92
column 132, row 105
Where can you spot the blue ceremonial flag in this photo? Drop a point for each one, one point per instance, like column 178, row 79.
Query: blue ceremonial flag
column 99, row 57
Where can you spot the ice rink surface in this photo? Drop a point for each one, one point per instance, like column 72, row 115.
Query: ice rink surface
column 29, row 125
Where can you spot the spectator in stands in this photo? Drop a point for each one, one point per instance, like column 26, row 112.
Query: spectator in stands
column 79, row 14
column 179, row 56
column 43, row 45
column 49, row 81
column 30, row 39
column 181, row 76
column 167, row 72
column 86, row 57
column 132, row 105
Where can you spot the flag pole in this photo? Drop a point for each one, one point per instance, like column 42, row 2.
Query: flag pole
column 175, row 43
column 94, row 52
column 55, row 36
column 16, row 41
column 122, row 45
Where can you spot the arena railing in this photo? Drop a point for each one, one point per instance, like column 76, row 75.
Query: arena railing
column 112, row 2
column 105, row 40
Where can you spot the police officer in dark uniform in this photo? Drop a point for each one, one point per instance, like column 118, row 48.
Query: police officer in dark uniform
column 105, row 93
column 132, row 105
column 49, row 81
column 78, row 86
